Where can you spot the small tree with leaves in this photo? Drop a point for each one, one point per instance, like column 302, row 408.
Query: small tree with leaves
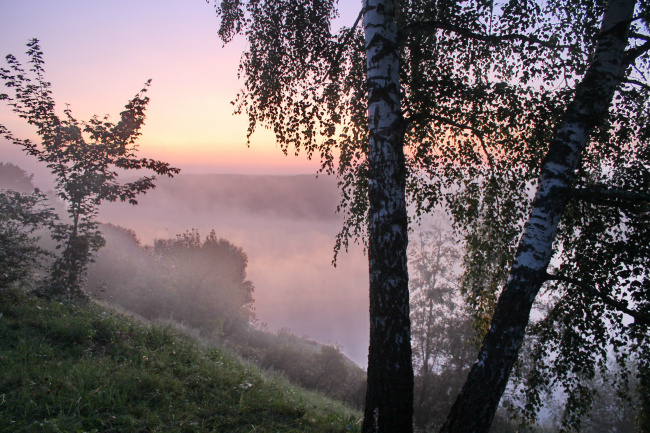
column 84, row 157
column 208, row 277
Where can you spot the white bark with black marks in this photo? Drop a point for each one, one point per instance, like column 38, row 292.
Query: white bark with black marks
column 489, row 376
column 389, row 397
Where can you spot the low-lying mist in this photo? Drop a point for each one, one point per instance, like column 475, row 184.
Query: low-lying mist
column 286, row 225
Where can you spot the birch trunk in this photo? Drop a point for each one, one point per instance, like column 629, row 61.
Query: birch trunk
column 475, row 407
column 389, row 396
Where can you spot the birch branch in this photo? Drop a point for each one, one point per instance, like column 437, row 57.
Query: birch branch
column 622, row 306
column 640, row 36
column 341, row 46
column 637, row 83
column 426, row 26
column 607, row 196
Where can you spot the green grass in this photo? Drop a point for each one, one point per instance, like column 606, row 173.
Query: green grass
column 67, row 367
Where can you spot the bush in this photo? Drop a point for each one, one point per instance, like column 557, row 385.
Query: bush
column 198, row 282
column 20, row 215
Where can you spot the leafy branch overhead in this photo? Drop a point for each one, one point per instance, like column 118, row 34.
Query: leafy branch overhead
column 479, row 104
column 84, row 157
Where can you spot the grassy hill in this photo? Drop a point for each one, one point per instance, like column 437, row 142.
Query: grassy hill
column 67, row 367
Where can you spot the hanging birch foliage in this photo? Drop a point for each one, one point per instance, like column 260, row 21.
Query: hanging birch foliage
column 497, row 100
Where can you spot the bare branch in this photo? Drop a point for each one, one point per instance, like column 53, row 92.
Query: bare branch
column 637, row 83
column 638, row 316
column 348, row 36
column 427, row 26
column 633, row 53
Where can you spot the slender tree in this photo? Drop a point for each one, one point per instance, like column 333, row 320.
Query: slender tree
column 442, row 338
column 590, row 105
column 84, row 157
column 432, row 256
column 291, row 52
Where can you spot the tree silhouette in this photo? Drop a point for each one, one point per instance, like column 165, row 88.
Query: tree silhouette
column 84, row 157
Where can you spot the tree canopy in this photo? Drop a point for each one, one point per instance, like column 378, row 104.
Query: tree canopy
column 474, row 106
column 15, row 178
column 209, row 277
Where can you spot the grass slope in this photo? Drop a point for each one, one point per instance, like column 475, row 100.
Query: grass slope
column 67, row 367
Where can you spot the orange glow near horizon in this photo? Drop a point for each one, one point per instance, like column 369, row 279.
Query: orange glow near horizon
column 98, row 56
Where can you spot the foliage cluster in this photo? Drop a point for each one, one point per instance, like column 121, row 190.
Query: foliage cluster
column 23, row 210
column 612, row 410
column 69, row 366
column 199, row 282
column 20, row 215
column 15, row 178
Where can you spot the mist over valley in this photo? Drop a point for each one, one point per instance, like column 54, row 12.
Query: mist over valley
column 286, row 225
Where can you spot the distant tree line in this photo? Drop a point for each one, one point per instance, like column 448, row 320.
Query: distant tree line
column 197, row 281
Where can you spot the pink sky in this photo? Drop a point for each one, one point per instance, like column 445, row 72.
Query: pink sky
column 99, row 54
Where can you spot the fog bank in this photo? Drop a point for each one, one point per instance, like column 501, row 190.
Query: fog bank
column 287, row 227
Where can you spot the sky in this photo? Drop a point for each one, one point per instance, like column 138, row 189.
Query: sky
column 98, row 55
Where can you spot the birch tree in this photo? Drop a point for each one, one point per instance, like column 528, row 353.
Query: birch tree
column 293, row 70
column 389, row 395
column 608, row 69
column 468, row 105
